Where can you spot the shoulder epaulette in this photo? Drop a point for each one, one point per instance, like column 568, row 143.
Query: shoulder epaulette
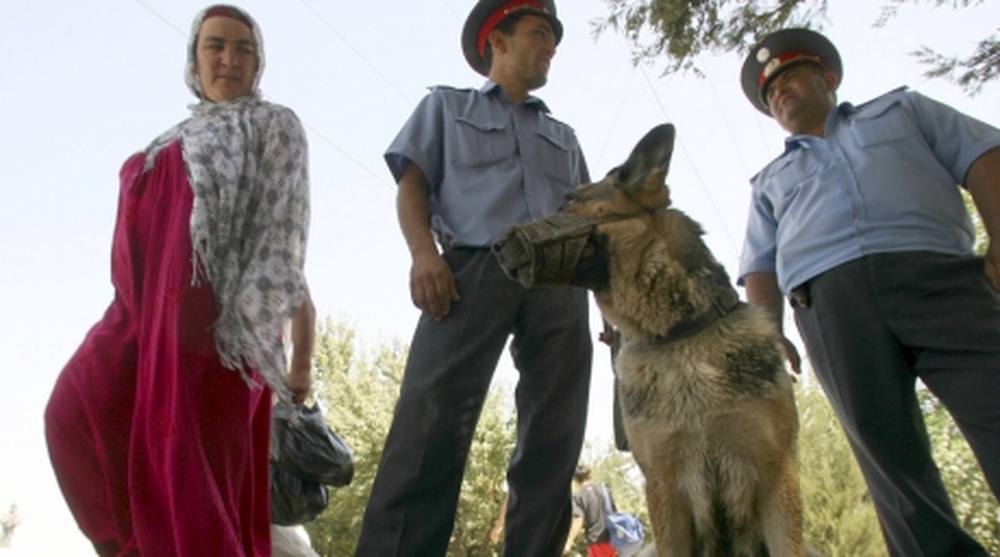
column 556, row 120
column 882, row 96
column 450, row 88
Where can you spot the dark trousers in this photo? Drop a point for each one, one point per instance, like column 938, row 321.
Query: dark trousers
column 412, row 507
column 872, row 327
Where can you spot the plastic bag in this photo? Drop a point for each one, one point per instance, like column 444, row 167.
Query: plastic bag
column 303, row 445
column 295, row 501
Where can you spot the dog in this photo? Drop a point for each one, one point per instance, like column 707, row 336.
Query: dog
column 708, row 406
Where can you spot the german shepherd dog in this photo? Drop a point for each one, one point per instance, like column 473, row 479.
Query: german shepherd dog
column 708, row 407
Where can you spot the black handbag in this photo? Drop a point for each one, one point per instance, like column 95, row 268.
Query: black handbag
column 306, row 456
column 303, row 445
column 295, row 501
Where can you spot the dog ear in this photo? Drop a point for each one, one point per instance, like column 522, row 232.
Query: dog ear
column 643, row 176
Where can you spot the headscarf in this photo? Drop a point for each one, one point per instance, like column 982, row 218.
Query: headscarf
column 247, row 165
column 191, row 76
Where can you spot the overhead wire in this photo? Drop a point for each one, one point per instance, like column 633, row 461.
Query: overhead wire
column 452, row 10
column 729, row 127
column 614, row 122
column 698, row 177
column 358, row 53
column 161, row 18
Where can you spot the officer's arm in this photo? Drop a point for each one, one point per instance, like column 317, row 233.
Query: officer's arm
column 762, row 290
column 432, row 285
column 983, row 182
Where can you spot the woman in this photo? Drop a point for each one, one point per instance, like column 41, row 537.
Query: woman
column 158, row 426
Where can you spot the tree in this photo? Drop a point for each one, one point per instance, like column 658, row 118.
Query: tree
column 482, row 493
column 982, row 240
column 970, row 72
column 681, row 30
column 678, row 31
column 839, row 516
column 977, row 509
column 357, row 390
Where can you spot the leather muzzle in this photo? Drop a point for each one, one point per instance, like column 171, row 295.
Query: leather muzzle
column 562, row 249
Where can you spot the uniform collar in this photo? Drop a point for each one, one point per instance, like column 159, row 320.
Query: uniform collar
column 841, row 111
column 493, row 88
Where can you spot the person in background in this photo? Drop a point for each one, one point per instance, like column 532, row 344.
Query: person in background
column 860, row 224
column 589, row 515
column 9, row 521
column 470, row 163
column 158, row 427
column 496, row 533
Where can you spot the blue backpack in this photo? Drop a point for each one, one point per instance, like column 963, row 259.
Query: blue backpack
column 624, row 530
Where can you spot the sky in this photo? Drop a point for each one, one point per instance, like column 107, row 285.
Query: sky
column 83, row 88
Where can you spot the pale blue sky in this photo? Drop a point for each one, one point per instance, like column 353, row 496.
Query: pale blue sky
column 86, row 86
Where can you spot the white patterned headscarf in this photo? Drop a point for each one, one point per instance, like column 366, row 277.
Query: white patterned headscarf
column 247, row 165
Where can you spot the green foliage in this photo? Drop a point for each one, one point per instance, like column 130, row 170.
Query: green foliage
column 358, row 393
column 482, row 487
column 676, row 32
column 839, row 517
column 619, row 471
column 982, row 240
column 358, row 390
column 970, row 72
column 840, row 520
column 680, row 30
column 977, row 509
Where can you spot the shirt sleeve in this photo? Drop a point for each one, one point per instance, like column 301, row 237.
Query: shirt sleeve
column 584, row 171
column 420, row 141
column 956, row 138
column 759, row 245
column 577, row 506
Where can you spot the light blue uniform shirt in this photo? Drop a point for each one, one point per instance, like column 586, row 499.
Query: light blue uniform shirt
column 489, row 163
column 884, row 179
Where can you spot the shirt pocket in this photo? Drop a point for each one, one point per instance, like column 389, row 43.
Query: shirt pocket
column 787, row 180
column 481, row 142
column 880, row 124
column 556, row 156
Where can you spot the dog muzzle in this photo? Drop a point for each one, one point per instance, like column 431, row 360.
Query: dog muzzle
column 562, row 249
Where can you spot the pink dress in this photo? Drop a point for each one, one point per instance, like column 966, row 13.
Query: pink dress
column 158, row 449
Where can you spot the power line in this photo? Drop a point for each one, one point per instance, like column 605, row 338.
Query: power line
column 163, row 19
column 700, row 180
column 346, row 154
column 452, row 10
column 614, row 123
column 358, row 53
column 729, row 127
